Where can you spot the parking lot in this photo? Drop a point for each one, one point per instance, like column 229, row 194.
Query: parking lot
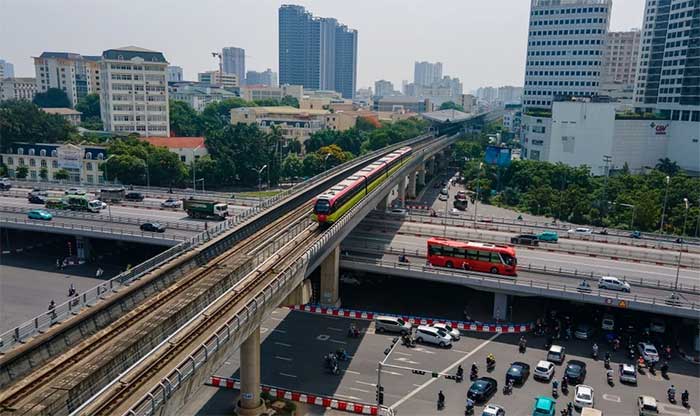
column 295, row 343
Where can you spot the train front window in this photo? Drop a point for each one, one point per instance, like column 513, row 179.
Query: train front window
column 323, row 206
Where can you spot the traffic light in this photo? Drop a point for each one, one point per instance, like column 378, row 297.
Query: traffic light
column 380, row 395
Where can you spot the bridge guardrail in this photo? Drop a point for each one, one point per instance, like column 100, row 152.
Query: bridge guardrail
column 666, row 257
column 571, row 273
column 97, row 217
column 505, row 282
column 63, row 311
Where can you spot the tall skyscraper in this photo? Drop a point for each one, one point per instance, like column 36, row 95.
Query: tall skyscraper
column 426, row 73
column 318, row 53
column 7, row 70
column 668, row 75
column 566, row 44
column 233, row 61
column 175, row 74
column 73, row 73
column 134, row 96
column 267, row 77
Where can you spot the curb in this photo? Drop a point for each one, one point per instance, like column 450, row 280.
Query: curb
column 461, row 325
column 357, row 408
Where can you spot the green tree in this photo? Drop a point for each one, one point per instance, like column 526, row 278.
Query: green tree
column 61, row 174
column 90, row 107
column 44, row 173
column 451, row 105
column 22, row 172
column 184, row 120
column 52, row 98
column 23, row 121
column 292, row 166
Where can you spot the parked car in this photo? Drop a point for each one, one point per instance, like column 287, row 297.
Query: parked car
column 628, row 374
column 607, row 323
column 613, row 283
column 580, row 231
column 575, row 371
column 556, row 354
column 583, row 396
column 646, row 405
column 482, row 389
column 153, row 227
column 451, row 331
column 493, row 410
column 75, row 191
column 171, row 203
column 134, row 196
column 544, row 406
column 432, row 335
column 518, row 372
column 544, row 370
column 583, row 331
column 648, row 352
column 39, row 214
column 391, row 324
column 525, row 239
column 549, row 236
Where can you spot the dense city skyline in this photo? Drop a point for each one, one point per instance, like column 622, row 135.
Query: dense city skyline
column 478, row 30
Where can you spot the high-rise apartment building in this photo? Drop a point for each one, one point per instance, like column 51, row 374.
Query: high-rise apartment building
column 175, row 74
column 73, row 73
column 426, row 73
column 267, row 78
column 621, row 56
column 318, row 53
column 7, row 70
column 668, row 75
column 383, row 88
column 134, row 96
column 233, row 61
column 566, row 45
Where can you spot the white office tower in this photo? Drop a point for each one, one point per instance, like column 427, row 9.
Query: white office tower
column 566, row 46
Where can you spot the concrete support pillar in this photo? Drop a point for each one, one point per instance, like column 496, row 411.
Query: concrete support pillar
column 500, row 306
column 402, row 192
column 421, row 176
column 250, row 403
column 330, row 279
column 82, row 247
column 411, row 192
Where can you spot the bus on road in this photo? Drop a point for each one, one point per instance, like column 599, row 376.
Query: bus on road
column 479, row 257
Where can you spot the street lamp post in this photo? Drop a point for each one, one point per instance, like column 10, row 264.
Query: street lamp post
column 680, row 244
column 663, row 211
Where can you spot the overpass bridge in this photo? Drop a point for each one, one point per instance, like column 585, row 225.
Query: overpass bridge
column 143, row 343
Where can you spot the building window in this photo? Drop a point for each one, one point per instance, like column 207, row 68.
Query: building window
column 54, row 164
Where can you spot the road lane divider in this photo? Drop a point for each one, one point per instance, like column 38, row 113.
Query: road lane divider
column 504, row 328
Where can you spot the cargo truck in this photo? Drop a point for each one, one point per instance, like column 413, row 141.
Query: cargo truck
column 202, row 208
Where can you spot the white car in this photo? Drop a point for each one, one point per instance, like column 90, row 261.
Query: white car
column 583, row 396
column 75, row 191
column 613, row 283
column 628, row 374
column 425, row 333
column 580, row 231
column 453, row 332
column 544, row 371
column 648, row 352
column 171, row 203
column 493, row 410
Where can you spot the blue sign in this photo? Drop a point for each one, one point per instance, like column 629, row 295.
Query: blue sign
column 496, row 155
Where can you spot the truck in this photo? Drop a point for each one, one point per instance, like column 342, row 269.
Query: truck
column 112, row 194
column 203, row 208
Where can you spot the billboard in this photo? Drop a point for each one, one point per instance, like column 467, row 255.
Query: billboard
column 70, row 157
column 496, row 155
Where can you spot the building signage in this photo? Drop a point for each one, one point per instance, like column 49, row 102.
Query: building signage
column 659, row 129
column 70, row 157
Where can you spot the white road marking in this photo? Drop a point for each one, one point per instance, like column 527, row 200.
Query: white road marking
column 283, row 344
column 446, row 370
column 283, row 358
column 288, row 375
column 338, row 342
column 366, row 383
column 335, row 329
column 356, row 389
column 612, row 398
column 352, row 372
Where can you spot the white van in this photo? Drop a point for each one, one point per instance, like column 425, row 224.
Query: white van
column 613, row 283
column 432, row 335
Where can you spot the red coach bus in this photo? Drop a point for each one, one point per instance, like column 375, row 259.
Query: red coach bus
column 480, row 257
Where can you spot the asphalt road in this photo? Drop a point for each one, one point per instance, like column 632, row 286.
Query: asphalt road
column 295, row 342
column 362, row 236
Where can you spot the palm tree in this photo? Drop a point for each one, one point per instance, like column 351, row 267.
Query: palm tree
column 668, row 166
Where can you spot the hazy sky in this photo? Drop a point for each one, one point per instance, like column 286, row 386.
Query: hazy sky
column 481, row 41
